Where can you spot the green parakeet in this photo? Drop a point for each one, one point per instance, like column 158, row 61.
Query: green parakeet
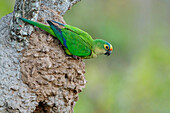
column 75, row 41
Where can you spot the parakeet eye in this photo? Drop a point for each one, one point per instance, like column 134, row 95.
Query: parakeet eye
column 106, row 47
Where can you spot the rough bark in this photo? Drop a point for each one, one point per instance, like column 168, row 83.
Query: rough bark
column 35, row 74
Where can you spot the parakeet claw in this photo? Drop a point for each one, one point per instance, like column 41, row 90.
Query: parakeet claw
column 73, row 56
column 76, row 57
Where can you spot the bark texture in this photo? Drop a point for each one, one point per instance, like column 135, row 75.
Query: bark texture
column 35, row 74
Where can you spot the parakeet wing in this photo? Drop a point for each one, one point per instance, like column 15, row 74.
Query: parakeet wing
column 85, row 36
column 76, row 44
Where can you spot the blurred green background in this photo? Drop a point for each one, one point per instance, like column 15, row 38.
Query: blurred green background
column 136, row 79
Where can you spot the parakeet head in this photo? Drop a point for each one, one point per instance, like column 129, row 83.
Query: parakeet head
column 102, row 47
column 108, row 47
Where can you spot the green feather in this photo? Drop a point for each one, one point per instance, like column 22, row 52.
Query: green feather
column 76, row 45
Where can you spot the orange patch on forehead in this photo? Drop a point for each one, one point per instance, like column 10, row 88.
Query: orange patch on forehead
column 111, row 48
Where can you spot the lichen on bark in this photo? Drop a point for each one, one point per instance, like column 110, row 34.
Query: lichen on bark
column 34, row 67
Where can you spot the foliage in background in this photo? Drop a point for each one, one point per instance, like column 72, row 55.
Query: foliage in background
column 6, row 7
column 136, row 78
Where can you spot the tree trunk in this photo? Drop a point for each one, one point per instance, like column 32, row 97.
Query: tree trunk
column 35, row 74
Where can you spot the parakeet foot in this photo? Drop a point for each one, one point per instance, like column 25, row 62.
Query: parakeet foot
column 76, row 57
column 73, row 56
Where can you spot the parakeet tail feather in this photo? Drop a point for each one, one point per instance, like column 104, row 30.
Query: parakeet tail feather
column 41, row 26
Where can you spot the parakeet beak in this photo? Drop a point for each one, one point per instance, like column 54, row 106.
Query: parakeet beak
column 108, row 53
